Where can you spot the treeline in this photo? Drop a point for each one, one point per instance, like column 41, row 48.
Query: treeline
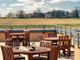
column 50, row 14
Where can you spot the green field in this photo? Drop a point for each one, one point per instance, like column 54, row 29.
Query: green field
column 24, row 23
column 36, row 21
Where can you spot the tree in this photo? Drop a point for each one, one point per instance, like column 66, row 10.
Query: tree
column 58, row 13
column 38, row 14
column 75, row 13
column 0, row 15
column 29, row 15
column 67, row 14
column 21, row 14
column 11, row 15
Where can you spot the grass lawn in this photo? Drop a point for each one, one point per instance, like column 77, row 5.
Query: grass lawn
column 37, row 22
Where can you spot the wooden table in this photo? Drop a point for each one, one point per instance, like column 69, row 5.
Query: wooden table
column 53, row 39
column 38, row 50
column 16, row 34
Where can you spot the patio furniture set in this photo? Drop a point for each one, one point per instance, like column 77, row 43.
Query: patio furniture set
column 50, row 46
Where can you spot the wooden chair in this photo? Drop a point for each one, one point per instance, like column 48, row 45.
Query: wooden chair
column 43, row 56
column 64, row 44
column 53, row 53
column 8, row 38
column 8, row 54
column 45, row 35
column 54, row 49
column 26, row 41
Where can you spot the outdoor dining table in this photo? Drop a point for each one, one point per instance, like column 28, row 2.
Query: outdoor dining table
column 53, row 39
column 30, row 53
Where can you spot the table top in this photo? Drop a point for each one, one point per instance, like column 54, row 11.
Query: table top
column 51, row 38
column 26, row 50
column 15, row 34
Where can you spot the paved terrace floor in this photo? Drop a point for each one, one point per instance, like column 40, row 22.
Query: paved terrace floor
column 37, row 44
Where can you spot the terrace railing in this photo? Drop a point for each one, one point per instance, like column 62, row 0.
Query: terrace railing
column 71, row 30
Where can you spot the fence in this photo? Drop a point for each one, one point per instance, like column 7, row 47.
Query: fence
column 71, row 31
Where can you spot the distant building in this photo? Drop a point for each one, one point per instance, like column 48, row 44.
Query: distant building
column 38, row 15
column 48, row 15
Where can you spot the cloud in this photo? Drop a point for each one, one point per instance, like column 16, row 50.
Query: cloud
column 0, row 10
column 57, row 8
column 9, row 8
column 57, row 1
column 3, row 4
column 42, row 4
column 26, row 1
column 5, row 11
column 17, row 4
column 32, row 5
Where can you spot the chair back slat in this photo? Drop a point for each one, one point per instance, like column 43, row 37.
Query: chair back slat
column 47, row 44
column 63, row 41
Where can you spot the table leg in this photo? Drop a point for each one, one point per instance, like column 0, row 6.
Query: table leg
column 48, row 56
column 30, row 57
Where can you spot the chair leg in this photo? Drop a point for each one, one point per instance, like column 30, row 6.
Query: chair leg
column 59, row 53
column 68, row 52
column 64, row 52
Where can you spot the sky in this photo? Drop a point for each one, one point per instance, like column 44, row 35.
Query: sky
column 30, row 6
